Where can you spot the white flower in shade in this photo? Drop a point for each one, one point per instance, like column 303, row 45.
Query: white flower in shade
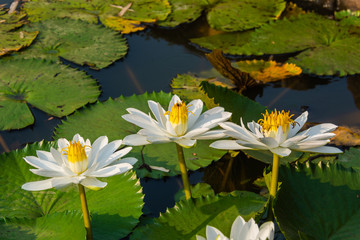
column 278, row 133
column 182, row 123
column 241, row 230
column 78, row 162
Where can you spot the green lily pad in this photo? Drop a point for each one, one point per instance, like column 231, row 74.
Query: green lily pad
column 319, row 209
column 187, row 87
column 234, row 15
column 14, row 41
column 239, row 105
column 55, row 89
column 105, row 119
column 350, row 159
column 183, row 11
column 189, row 218
column 76, row 41
column 140, row 10
column 197, row 191
column 115, row 209
column 41, row 10
column 9, row 22
column 229, row 43
column 267, row 156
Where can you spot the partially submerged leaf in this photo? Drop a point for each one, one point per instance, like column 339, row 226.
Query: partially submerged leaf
column 125, row 26
column 189, row 217
column 53, row 88
column 106, row 119
column 183, row 11
column 187, row 87
column 268, row 71
column 197, row 191
column 234, row 15
column 345, row 136
column 9, row 22
column 241, row 79
column 76, row 41
column 14, row 41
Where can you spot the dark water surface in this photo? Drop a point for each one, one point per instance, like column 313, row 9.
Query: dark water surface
column 157, row 55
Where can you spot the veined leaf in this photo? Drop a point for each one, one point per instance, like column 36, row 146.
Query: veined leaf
column 53, row 88
column 189, row 218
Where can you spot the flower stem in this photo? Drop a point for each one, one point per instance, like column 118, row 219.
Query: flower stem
column 274, row 176
column 183, row 171
column 85, row 211
column 227, row 173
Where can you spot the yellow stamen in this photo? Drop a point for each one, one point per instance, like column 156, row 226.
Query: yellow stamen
column 77, row 158
column 272, row 121
column 179, row 117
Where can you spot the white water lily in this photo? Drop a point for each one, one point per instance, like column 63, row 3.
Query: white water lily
column 278, row 133
column 241, row 230
column 78, row 162
column 182, row 123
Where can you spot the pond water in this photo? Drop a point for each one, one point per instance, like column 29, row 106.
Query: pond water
column 156, row 56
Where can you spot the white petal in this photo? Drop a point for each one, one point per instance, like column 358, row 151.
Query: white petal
column 186, row 143
column 57, row 156
column 79, row 139
column 299, row 123
column 255, row 128
column 227, row 145
column 39, row 163
column 59, row 183
column 130, row 160
column 111, row 170
column 269, row 142
column 115, row 156
column 38, row 185
column 321, row 136
column 324, row 149
column 207, row 120
column 266, row 231
column 45, row 155
column 173, row 101
column 169, row 128
column 292, row 141
column 98, row 144
column 283, row 152
column 48, row 173
column 280, row 136
column 195, row 108
column 93, row 183
column 135, row 140
column 195, row 132
column 249, row 230
column 236, row 228
column 255, row 145
column 238, row 132
column 309, row 144
column 213, row 233
column 62, row 143
column 158, row 139
column 159, row 168
column 215, row 134
column 138, row 120
column 105, row 153
column 200, row 238
column 158, row 112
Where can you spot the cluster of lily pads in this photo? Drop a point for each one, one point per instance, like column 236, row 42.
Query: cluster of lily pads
column 305, row 205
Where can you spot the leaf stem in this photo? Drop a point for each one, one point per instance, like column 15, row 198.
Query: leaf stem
column 183, row 171
column 274, row 175
column 85, row 211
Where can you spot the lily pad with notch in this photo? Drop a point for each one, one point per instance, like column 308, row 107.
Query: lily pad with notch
column 53, row 88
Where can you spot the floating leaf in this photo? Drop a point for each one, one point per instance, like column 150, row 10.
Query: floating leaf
column 292, row 10
column 239, row 105
column 14, row 41
column 234, row 15
column 314, row 204
column 350, row 159
column 105, row 119
column 241, row 79
column 76, row 41
column 10, row 22
column 115, row 209
column 187, row 87
column 197, row 191
column 41, row 10
column 55, row 89
column 183, row 11
column 123, row 25
column 229, row 43
column 346, row 136
column 268, row 71
column 189, row 218
column 142, row 10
